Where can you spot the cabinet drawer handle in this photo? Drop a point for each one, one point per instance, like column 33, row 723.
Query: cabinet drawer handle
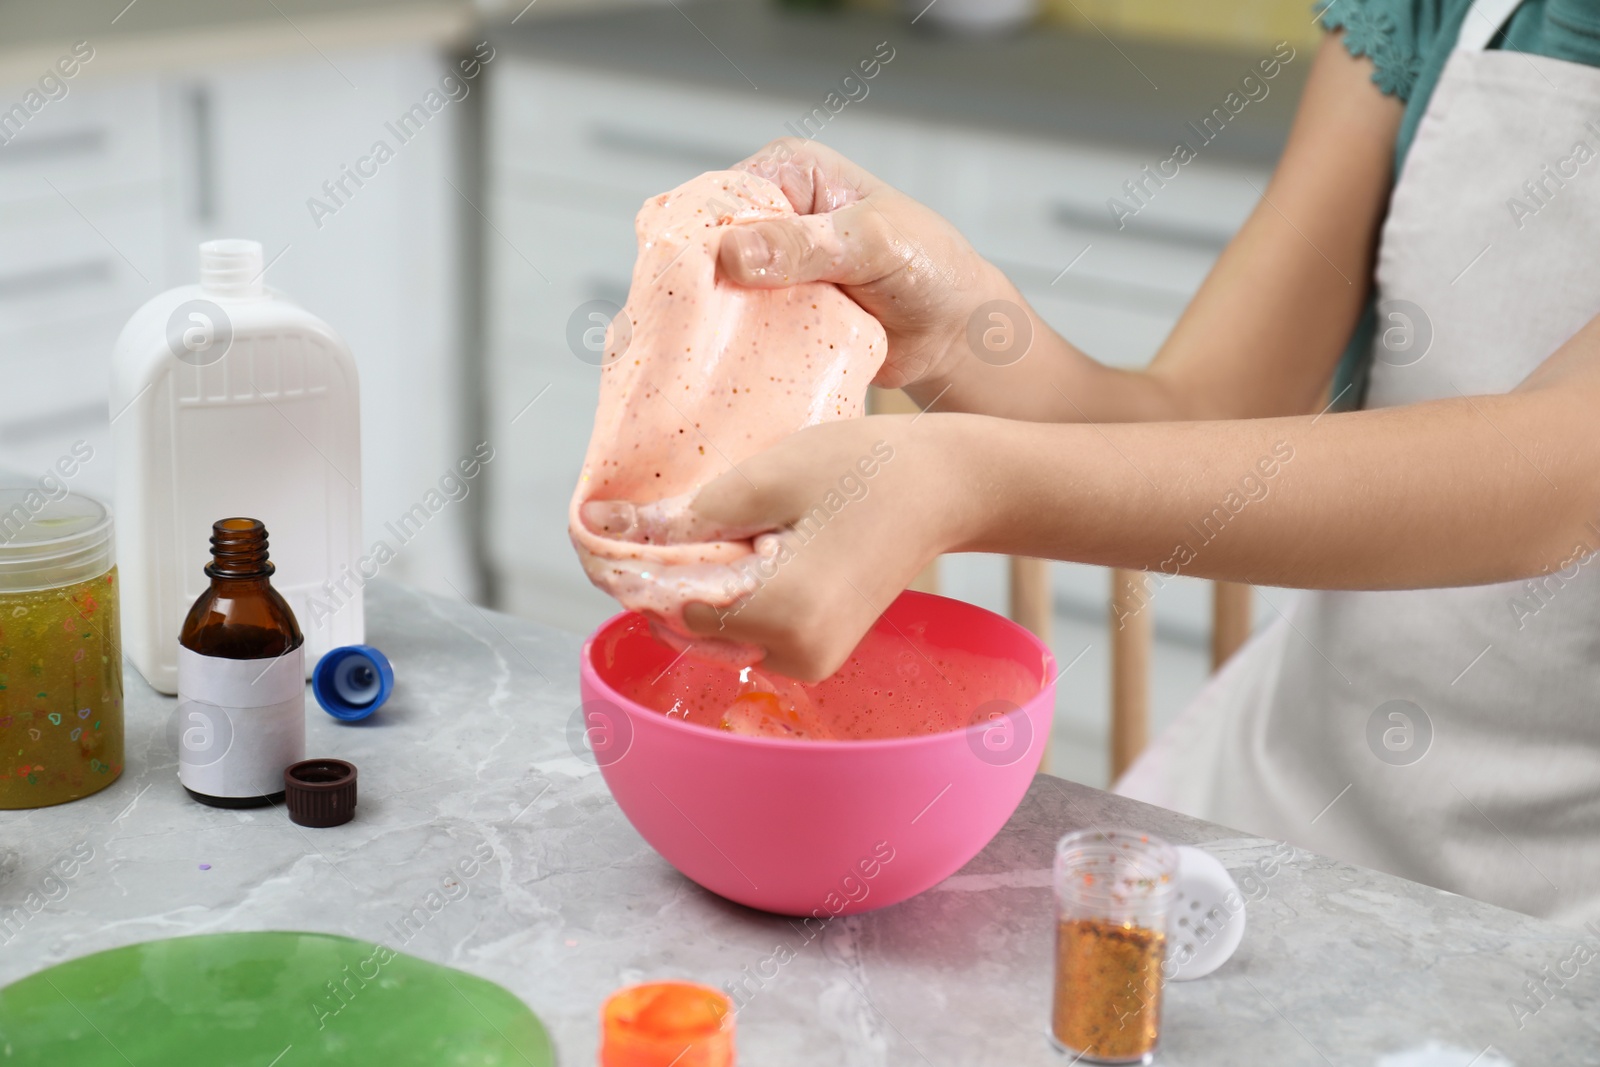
column 670, row 149
column 35, row 283
column 52, row 146
column 203, row 145
column 1201, row 238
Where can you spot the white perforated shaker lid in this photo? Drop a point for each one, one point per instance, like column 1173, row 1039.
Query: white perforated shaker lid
column 1205, row 921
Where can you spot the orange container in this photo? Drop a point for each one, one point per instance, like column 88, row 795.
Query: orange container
column 667, row 1024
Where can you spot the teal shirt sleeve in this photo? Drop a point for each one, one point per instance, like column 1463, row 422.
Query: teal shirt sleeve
column 1409, row 42
column 1396, row 35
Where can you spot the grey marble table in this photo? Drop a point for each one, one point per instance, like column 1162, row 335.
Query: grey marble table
column 1339, row 966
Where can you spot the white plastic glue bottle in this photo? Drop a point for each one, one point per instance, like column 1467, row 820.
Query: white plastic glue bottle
column 227, row 398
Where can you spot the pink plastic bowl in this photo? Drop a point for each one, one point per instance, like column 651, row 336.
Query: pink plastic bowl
column 824, row 828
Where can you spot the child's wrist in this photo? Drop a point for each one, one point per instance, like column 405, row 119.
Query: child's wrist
column 962, row 478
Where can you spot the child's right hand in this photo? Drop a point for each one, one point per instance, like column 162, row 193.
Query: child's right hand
column 898, row 259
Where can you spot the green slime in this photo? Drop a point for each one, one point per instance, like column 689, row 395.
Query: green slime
column 260, row 999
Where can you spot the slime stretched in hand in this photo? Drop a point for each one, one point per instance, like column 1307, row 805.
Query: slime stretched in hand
column 699, row 375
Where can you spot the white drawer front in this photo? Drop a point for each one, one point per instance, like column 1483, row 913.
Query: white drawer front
column 541, row 396
column 633, row 138
column 630, row 135
column 534, row 247
column 1044, row 205
column 90, row 138
column 50, row 371
column 65, row 292
column 1115, row 332
column 59, row 263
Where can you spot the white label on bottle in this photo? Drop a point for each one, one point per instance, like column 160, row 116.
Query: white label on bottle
column 240, row 722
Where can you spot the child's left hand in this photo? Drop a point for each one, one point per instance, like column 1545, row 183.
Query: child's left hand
column 857, row 507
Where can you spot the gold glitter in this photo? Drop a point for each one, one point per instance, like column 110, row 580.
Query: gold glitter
column 1108, row 988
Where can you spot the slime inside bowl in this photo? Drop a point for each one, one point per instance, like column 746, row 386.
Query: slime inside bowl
column 895, row 684
column 874, row 789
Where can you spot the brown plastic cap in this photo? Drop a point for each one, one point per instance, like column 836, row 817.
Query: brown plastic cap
column 320, row 792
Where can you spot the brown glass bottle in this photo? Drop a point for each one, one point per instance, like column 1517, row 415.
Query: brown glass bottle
column 241, row 618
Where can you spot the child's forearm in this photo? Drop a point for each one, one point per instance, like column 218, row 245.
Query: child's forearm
column 1453, row 492
column 1265, row 330
column 1054, row 382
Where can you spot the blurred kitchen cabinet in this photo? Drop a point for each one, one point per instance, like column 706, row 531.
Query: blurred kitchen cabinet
column 264, row 150
column 106, row 193
column 81, row 242
column 573, row 152
column 549, row 274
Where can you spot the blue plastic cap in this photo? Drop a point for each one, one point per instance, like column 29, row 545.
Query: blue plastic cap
column 352, row 682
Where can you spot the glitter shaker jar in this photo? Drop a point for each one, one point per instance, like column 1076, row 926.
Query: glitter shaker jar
column 60, row 649
column 1113, row 889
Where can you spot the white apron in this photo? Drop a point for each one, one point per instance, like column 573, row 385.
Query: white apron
column 1313, row 732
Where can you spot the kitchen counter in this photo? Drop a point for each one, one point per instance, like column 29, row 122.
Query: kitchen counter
column 1048, row 82
column 1339, row 965
column 156, row 34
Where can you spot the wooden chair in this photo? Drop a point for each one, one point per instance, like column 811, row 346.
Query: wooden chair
column 1031, row 605
column 1130, row 654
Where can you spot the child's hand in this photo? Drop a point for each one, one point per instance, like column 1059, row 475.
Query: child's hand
column 662, row 522
column 857, row 507
column 898, row 259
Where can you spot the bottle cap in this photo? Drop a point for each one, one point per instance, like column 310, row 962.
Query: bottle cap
column 46, row 544
column 320, row 792
column 667, row 1024
column 352, row 681
column 1205, row 922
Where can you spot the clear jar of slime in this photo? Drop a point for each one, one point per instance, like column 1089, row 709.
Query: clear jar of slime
column 60, row 649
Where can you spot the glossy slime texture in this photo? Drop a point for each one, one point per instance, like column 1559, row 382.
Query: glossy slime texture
column 895, row 684
column 700, row 375
column 60, row 693
column 218, row 1000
